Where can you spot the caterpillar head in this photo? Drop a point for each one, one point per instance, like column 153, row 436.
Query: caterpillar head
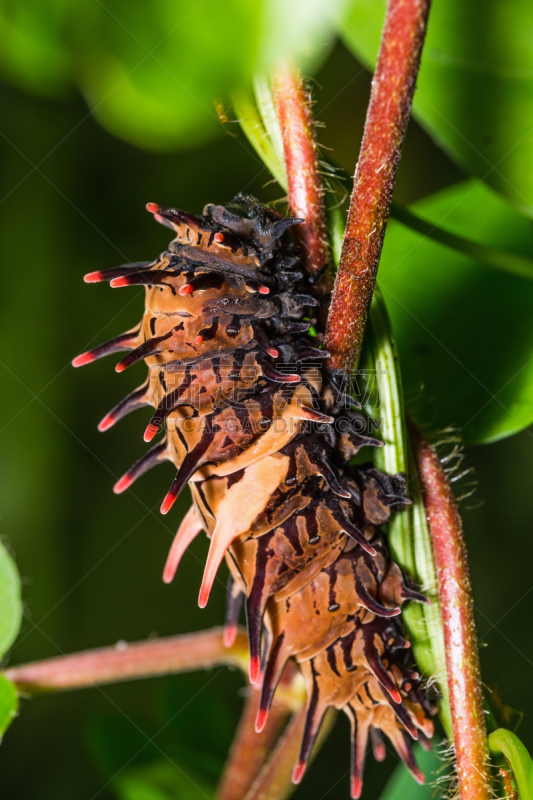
column 254, row 223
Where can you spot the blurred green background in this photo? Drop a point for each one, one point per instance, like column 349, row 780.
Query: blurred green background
column 71, row 199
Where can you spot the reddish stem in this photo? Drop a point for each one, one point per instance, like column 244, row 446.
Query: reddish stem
column 460, row 641
column 128, row 661
column 306, row 195
column 275, row 780
column 250, row 750
column 386, row 122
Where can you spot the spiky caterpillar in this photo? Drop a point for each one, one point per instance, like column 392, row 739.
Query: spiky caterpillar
column 264, row 436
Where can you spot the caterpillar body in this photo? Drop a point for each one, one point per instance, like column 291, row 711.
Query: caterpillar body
column 264, row 436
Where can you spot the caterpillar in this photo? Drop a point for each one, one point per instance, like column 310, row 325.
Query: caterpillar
column 264, row 434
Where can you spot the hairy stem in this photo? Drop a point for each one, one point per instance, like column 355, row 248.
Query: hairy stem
column 457, row 609
column 123, row 662
column 306, row 196
column 386, row 122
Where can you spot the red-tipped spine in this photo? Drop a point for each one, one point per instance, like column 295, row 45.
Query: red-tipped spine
column 299, row 770
column 230, row 633
column 260, row 722
column 134, row 400
column 118, row 282
column 83, row 359
column 94, row 277
column 124, row 341
column 168, row 502
column 150, row 432
column 255, row 665
column 123, row 483
column 154, row 456
column 107, row 422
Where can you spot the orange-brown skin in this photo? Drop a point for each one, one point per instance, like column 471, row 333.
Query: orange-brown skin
column 264, row 436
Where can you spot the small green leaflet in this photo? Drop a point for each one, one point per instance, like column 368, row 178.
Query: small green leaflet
column 8, row 703
column 10, row 601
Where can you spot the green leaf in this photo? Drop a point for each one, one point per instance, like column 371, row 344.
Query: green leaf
column 475, row 88
column 34, row 55
column 409, row 536
column 401, row 785
column 508, row 744
column 151, row 72
column 490, row 256
column 506, row 260
column 10, row 601
column 162, row 780
column 8, row 703
column 463, row 329
column 257, row 124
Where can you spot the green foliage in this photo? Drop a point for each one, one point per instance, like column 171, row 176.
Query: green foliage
column 10, row 601
column 262, row 128
column 490, row 256
column 463, row 329
column 8, row 703
column 152, row 71
column 161, row 780
column 475, row 88
column 409, row 536
column 506, row 743
column 181, row 752
column 154, row 766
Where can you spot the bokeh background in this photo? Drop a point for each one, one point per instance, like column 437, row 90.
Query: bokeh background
column 72, row 199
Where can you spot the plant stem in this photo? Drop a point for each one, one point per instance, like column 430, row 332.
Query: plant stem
column 306, row 194
column 275, row 779
column 123, row 662
column 250, row 750
column 386, row 122
column 457, row 608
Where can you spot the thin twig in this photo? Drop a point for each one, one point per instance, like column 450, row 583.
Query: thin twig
column 250, row 750
column 386, row 122
column 123, row 662
column 306, row 195
column 275, row 780
column 457, row 609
